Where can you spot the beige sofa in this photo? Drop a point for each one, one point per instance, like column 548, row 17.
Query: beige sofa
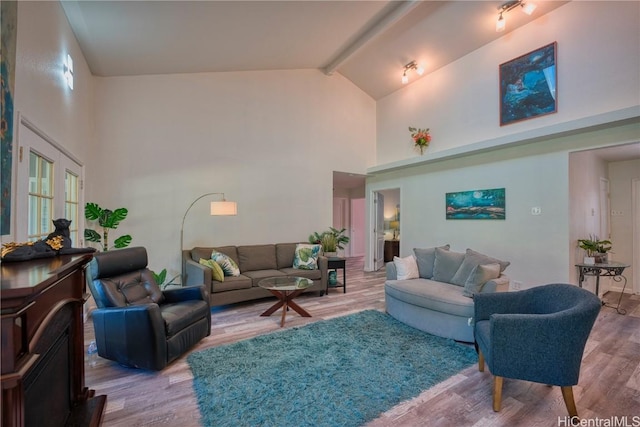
column 256, row 262
column 435, row 301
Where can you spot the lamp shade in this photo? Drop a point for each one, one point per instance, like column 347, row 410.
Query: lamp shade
column 224, row 208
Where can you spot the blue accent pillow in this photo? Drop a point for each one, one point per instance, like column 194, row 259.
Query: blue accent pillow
column 306, row 256
column 229, row 266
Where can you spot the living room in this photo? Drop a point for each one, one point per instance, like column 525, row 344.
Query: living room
column 271, row 140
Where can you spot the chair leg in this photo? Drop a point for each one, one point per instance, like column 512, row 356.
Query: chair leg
column 497, row 393
column 567, row 395
column 480, row 361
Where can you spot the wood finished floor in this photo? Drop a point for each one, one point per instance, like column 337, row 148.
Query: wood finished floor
column 609, row 382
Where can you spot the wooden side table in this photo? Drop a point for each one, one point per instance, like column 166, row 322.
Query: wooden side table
column 336, row 263
column 391, row 249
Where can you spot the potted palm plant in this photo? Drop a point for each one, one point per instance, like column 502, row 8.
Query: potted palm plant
column 330, row 245
column 108, row 220
column 596, row 249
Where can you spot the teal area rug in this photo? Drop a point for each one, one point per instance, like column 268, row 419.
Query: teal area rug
column 340, row 372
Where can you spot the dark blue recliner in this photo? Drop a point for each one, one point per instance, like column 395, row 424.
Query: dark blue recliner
column 136, row 323
column 538, row 335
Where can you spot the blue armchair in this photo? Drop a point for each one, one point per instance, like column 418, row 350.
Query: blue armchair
column 136, row 323
column 535, row 335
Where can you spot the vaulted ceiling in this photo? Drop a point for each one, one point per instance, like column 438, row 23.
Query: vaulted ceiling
column 368, row 42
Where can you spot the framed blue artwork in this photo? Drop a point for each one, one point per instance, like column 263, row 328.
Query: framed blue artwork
column 528, row 85
column 476, row 204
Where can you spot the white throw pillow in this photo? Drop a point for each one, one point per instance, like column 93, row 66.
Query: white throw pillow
column 407, row 267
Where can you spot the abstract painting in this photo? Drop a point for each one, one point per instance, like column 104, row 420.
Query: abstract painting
column 528, row 85
column 8, row 24
column 476, row 204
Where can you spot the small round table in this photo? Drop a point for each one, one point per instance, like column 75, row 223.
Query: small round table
column 286, row 289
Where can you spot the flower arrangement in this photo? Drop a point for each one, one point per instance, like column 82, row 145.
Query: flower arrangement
column 421, row 138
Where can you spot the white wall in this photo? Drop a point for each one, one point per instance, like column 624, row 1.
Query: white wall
column 460, row 104
column 270, row 140
column 41, row 95
column 598, row 71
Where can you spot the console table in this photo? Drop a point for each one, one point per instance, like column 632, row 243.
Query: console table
column 391, row 249
column 611, row 269
column 43, row 344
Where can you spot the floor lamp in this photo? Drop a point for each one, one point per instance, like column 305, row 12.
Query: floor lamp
column 218, row 208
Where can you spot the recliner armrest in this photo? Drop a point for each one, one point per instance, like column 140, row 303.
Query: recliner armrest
column 197, row 292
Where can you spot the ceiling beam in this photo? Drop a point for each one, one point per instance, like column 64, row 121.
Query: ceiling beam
column 396, row 13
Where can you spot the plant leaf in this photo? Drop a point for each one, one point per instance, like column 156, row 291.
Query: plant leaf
column 122, row 241
column 92, row 211
column 113, row 219
column 92, row 235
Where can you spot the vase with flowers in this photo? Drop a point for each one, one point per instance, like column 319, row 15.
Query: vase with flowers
column 421, row 138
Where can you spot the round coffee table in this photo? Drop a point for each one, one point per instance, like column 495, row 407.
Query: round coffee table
column 286, row 289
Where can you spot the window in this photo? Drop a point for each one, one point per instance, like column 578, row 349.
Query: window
column 40, row 197
column 71, row 205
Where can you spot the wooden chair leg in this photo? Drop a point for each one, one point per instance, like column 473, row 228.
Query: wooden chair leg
column 497, row 393
column 480, row 361
column 567, row 395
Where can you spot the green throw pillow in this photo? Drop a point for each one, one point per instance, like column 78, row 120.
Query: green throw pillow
column 216, row 270
column 229, row 266
column 306, row 256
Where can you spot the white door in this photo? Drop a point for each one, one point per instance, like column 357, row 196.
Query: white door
column 357, row 243
column 48, row 187
column 605, row 228
column 341, row 220
column 379, row 231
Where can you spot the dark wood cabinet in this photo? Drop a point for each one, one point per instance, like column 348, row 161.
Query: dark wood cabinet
column 391, row 249
column 43, row 344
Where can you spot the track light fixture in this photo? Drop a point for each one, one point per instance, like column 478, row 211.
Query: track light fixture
column 413, row 65
column 527, row 7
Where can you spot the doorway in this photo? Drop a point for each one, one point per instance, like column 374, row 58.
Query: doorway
column 349, row 210
column 386, row 227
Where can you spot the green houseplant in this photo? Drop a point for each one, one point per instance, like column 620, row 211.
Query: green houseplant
column 595, row 248
column 331, row 240
column 108, row 220
column 161, row 278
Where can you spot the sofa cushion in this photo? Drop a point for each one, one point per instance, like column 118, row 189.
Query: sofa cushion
column 437, row 296
column 471, row 260
column 306, row 256
column 284, row 254
column 216, row 270
column 295, row 272
column 446, row 265
column 231, row 283
column 407, row 267
column 258, row 275
column 257, row 257
column 228, row 265
column 480, row 275
column 425, row 259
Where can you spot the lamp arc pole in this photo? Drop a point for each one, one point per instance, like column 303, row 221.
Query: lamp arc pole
column 187, row 211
